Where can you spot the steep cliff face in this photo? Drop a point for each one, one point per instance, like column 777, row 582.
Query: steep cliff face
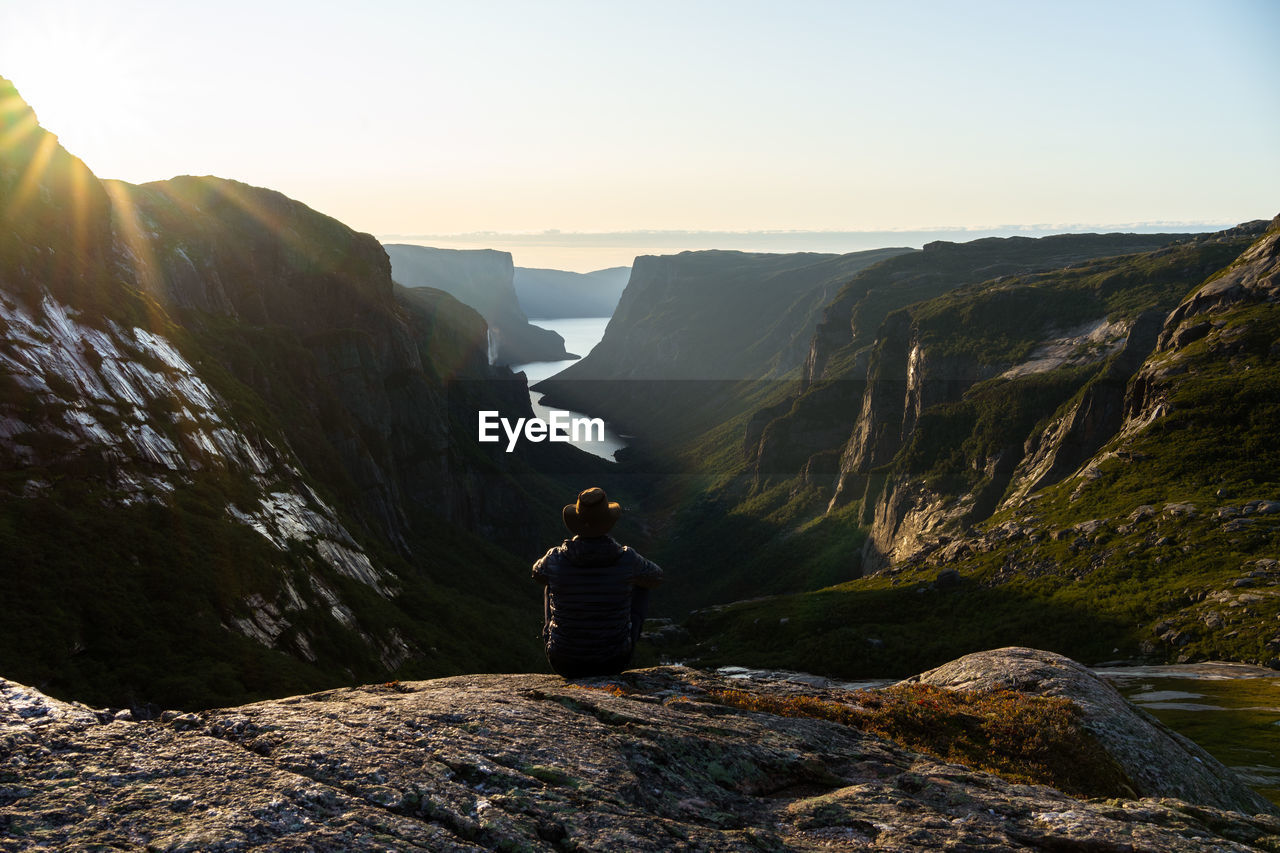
column 866, row 348
column 483, row 279
column 717, row 315
column 654, row 760
column 932, row 415
column 233, row 460
column 1090, row 420
column 983, row 396
column 354, row 368
column 1214, row 321
column 691, row 330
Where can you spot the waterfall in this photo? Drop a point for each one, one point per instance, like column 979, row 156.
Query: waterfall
column 493, row 346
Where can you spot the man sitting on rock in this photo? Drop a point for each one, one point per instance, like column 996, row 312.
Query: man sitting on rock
column 597, row 592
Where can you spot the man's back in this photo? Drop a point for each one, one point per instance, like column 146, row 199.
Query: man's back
column 590, row 583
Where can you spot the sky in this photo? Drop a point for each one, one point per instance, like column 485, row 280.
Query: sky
column 489, row 122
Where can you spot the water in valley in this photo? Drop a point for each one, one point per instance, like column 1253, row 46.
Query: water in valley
column 580, row 335
column 1232, row 710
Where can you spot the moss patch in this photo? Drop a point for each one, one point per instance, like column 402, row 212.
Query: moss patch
column 1026, row 739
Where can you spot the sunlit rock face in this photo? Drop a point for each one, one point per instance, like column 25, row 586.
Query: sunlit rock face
column 112, row 380
column 106, row 406
column 867, row 377
column 982, row 396
column 1214, row 318
column 651, row 760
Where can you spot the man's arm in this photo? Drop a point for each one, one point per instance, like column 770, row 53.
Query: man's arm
column 646, row 574
column 539, row 569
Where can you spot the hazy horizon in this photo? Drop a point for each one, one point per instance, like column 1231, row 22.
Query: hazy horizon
column 593, row 251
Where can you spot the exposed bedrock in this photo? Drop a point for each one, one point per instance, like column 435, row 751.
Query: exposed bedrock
column 651, row 760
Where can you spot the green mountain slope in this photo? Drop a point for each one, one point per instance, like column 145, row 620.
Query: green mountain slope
column 750, row 504
column 1133, row 517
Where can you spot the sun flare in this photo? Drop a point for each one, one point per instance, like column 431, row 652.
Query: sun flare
column 88, row 86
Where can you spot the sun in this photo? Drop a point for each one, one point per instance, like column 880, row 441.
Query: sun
column 90, row 87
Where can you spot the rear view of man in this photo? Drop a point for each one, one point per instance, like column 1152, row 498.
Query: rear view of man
column 597, row 592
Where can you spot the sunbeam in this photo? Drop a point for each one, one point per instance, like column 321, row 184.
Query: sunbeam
column 136, row 244
column 31, row 177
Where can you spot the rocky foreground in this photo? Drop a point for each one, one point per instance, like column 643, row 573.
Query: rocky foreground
column 652, row 760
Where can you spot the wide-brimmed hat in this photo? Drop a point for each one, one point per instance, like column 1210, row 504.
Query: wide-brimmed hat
column 593, row 514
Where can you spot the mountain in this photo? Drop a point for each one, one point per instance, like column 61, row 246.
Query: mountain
column 1031, row 345
column 653, row 760
column 691, row 328
column 837, row 364
column 483, row 279
column 235, row 459
column 743, row 378
column 556, row 293
column 1082, row 458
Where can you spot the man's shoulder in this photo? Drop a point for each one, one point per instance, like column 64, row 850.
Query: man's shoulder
column 633, row 559
column 559, row 550
column 555, row 554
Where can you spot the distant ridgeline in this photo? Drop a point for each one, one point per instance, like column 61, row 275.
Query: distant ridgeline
column 1069, row 441
column 235, row 459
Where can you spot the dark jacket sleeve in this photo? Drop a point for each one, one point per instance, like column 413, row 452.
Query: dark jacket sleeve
column 539, row 568
column 646, row 573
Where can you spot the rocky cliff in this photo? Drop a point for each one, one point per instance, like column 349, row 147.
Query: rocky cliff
column 302, row 311
column 236, row 460
column 1213, row 328
column 483, row 279
column 652, row 760
column 986, row 394
column 852, row 319
column 1111, row 493
column 691, row 330
column 862, row 354
column 903, row 423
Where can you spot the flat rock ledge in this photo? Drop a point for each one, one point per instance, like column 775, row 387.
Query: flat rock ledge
column 644, row 761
